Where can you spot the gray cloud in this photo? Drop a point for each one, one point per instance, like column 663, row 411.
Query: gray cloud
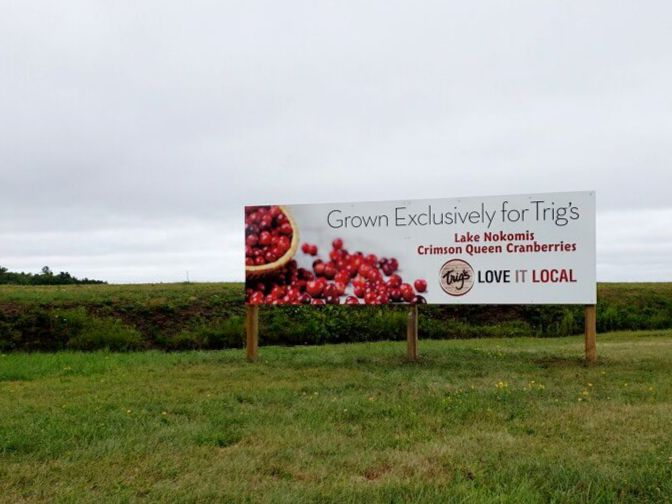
column 132, row 133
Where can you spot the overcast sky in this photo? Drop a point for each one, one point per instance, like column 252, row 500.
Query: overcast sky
column 132, row 133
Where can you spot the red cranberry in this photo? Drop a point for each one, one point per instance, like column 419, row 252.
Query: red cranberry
column 329, row 271
column 407, row 292
column 305, row 248
column 265, row 238
column 340, row 288
column 394, row 281
column 395, row 294
column 420, row 285
column 257, row 298
column 333, row 300
column 337, row 244
column 278, row 291
column 370, row 297
column 342, row 277
column 305, row 298
column 313, row 250
column 373, row 274
column 314, row 288
column 330, row 290
column 317, row 302
column 351, row 300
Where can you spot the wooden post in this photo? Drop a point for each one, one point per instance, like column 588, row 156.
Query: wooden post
column 252, row 331
column 590, row 333
column 412, row 333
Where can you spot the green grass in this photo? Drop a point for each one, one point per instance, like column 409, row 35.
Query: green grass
column 495, row 420
column 149, row 294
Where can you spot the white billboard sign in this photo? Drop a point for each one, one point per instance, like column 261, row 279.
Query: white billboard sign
column 516, row 249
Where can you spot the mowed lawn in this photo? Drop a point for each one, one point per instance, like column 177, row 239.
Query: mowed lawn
column 503, row 420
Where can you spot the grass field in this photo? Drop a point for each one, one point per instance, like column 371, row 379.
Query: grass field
column 503, row 420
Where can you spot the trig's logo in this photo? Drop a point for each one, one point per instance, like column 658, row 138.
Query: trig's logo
column 457, row 277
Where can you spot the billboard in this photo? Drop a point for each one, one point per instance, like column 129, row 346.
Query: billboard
column 515, row 249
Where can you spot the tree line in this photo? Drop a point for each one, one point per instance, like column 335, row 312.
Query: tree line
column 45, row 277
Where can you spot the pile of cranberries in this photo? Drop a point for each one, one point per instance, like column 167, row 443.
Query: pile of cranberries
column 268, row 235
column 373, row 280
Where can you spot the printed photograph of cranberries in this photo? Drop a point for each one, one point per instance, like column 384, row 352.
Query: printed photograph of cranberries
column 271, row 239
column 338, row 277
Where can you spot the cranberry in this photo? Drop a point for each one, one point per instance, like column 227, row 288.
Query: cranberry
column 373, row 274
column 370, row 297
column 330, row 290
column 252, row 240
column 313, row 250
column 340, row 288
column 350, row 300
column 265, row 238
column 318, row 267
column 317, row 302
column 314, row 288
column 407, row 292
column 278, row 291
column 394, row 280
column 305, row 298
column 337, row 244
column 419, row 300
column 257, row 298
column 329, row 271
column 333, row 300
column 420, row 285
column 305, row 248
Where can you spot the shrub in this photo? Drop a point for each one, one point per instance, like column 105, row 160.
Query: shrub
column 105, row 333
column 227, row 333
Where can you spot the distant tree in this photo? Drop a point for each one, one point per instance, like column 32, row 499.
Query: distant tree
column 45, row 277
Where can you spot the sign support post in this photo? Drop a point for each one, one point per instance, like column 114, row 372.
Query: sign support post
column 252, row 331
column 412, row 333
column 591, row 333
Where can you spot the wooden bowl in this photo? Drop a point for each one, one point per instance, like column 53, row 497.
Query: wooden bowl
column 265, row 269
